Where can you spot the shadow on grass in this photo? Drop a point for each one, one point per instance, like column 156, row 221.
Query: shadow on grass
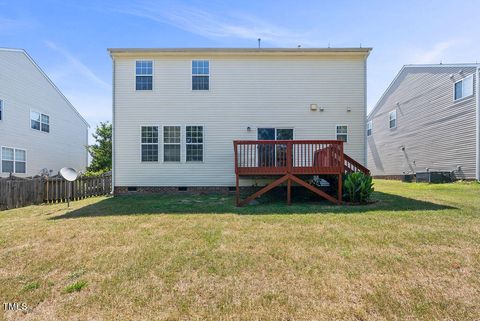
column 221, row 204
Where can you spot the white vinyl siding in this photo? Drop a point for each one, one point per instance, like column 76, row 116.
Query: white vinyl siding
column 25, row 88
column 463, row 88
column 342, row 133
column 392, row 119
column 255, row 90
column 433, row 131
column 14, row 160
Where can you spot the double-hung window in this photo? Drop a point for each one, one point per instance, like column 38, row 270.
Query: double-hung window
column 149, row 144
column 14, row 160
column 200, row 75
column 369, row 128
column 144, row 75
column 392, row 117
column 463, row 88
column 342, row 133
column 1, row 109
column 171, row 143
column 39, row 121
column 194, row 143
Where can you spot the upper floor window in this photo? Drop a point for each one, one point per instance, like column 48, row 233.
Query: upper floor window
column 144, row 75
column 14, row 160
column 194, row 143
column 392, row 116
column 200, row 75
column 1, row 109
column 40, row 121
column 342, row 133
column 149, row 144
column 463, row 88
column 171, row 143
column 369, row 128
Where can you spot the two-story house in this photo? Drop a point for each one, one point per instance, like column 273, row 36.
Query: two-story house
column 427, row 120
column 176, row 112
column 40, row 130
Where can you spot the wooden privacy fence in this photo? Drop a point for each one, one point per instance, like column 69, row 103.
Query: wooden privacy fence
column 18, row 192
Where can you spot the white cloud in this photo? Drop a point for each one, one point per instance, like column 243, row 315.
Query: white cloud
column 211, row 25
column 75, row 65
column 434, row 54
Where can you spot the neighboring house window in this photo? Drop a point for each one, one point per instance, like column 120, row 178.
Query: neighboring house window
column 171, row 143
column 40, row 121
column 392, row 116
column 144, row 75
column 194, row 143
column 463, row 88
column 1, row 109
column 342, row 133
column 200, row 75
column 14, row 160
column 149, row 144
column 369, row 128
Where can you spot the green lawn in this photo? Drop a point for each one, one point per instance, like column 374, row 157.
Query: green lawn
column 414, row 254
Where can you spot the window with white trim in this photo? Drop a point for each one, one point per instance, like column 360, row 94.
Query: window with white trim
column 200, row 75
column 171, row 143
column 342, row 133
column 144, row 75
column 149, row 143
column 194, row 143
column 369, row 128
column 1, row 109
column 463, row 88
column 14, row 160
column 39, row 121
column 392, row 118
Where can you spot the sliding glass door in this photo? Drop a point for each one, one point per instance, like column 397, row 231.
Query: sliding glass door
column 268, row 155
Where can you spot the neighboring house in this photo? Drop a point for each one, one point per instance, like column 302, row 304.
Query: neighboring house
column 40, row 131
column 176, row 112
column 427, row 120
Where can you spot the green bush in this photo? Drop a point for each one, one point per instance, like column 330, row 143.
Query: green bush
column 357, row 187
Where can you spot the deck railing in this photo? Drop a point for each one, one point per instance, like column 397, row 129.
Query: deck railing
column 277, row 157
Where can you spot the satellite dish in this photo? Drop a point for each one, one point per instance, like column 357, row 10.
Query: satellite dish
column 69, row 174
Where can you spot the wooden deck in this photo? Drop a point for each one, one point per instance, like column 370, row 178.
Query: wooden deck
column 289, row 159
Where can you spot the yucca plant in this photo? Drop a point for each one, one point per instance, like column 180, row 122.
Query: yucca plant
column 357, row 187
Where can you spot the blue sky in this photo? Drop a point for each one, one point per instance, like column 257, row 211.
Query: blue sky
column 68, row 39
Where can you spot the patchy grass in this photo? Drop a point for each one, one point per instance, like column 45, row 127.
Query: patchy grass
column 412, row 255
column 76, row 287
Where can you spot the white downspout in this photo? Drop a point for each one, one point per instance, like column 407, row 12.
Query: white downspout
column 477, row 127
column 113, row 124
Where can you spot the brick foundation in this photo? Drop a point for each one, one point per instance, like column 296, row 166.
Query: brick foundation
column 192, row 190
column 390, row 177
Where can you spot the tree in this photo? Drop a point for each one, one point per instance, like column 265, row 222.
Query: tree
column 101, row 151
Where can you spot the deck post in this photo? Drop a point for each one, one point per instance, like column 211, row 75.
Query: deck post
column 289, row 191
column 340, row 175
column 289, row 171
column 237, row 190
column 340, row 189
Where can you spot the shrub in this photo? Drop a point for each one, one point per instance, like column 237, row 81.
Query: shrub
column 357, row 187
